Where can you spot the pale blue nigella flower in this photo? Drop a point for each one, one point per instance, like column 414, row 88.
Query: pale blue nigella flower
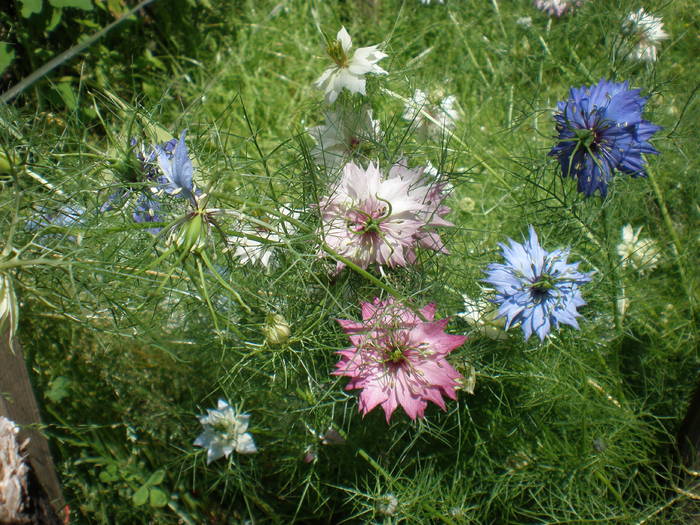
column 224, row 432
column 146, row 210
column 601, row 130
column 177, row 169
column 536, row 288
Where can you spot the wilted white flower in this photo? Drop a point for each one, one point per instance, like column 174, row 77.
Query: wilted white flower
column 557, row 7
column 481, row 314
column 431, row 118
column 8, row 306
column 343, row 136
column 255, row 243
column 640, row 254
column 387, row 505
column 13, row 474
column 349, row 73
column 647, row 32
column 224, row 432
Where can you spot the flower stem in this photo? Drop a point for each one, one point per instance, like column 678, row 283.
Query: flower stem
column 677, row 245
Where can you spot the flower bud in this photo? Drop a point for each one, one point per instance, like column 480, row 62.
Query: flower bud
column 192, row 235
column 276, row 329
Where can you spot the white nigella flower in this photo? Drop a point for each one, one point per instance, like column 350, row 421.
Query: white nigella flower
column 640, row 254
column 343, row 136
column 647, row 32
column 349, row 73
column 481, row 314
column 224, row 432
column 431, row 117
column 256, row 244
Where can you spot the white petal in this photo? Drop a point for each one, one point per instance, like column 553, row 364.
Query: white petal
column 344, row 39
column 246, row 445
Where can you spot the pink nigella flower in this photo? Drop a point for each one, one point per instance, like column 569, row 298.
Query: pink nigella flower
column 397, row 358
column 372, row 219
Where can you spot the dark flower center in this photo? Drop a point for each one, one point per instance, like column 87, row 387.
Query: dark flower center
column 541, row 286
column 588, row 139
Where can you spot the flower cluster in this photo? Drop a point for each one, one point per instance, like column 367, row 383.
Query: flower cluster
column 372, row 219
column 536, row 288
column 398, row 357
column 601, row 130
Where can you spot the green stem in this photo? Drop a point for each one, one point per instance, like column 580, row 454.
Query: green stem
column 14, row 263
column 677, row 245
column 223, row 283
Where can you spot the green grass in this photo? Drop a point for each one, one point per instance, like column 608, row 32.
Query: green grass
column 126, row 351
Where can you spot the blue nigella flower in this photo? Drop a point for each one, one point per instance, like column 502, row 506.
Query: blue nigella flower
column 177, row 169
column 148, row 203
column 536, row 288
column 146, row 210
column 601, row 130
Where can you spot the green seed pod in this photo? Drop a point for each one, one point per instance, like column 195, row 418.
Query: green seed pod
column 276, row 329
column 192, row 236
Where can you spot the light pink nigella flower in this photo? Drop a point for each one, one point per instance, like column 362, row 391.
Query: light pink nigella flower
column 397, row 358
column 557, row 7
column 372, row 219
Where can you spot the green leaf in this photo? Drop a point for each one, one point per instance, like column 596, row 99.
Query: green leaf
column 85, row 5
column 158, row 498
column 140, row 496
column 58, row 389
column 55, row 20
column 7, row 55
column 29, row 7
column 109, row 475
column 156, row 478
